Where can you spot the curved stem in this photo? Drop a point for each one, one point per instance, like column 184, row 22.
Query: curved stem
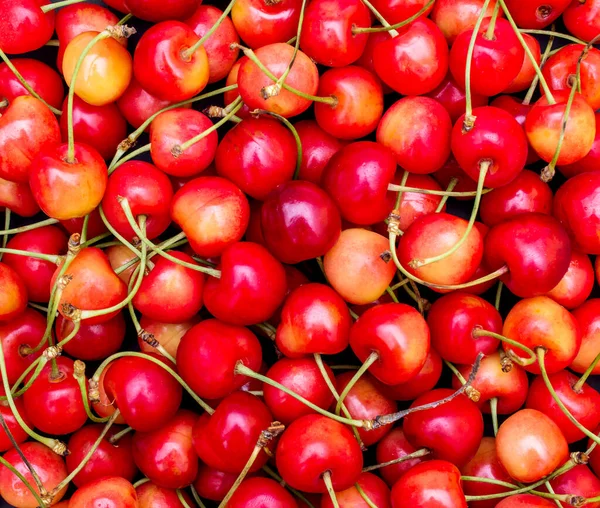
column 579, row 385
column 25, row 84
column 182, row 500
column 197, row 497
column 453, row 182
column 363, row 494
column 115, row 437
column 140, row 482
column 57, row 5
column 36, row 255
column 494, row 413
column 38, row 365
column 329, row 485
column 371, row 359
column 456, row 372
column 402, row 188
column 188, row 53
column 29, row 227
column 483, row 169
column 534, row 82
column 380, row 18
column 480, row 332
column 119, row 237
column 395, row 26
column 132, row 155
column 79, row 375
column 14, row 471
column 414, row 455
column 552, row 33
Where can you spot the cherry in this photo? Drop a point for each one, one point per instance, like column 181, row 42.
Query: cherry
column 530, row 445
column 24, row 26
column 579, row 481
column 527, row 73
column 582, row 19
column 257, row 155
column 314, row 445
column 418, row 150
column 366, row 60
column 497, row 138
column 27, row 127
column 49, row 466
column 536, row 261
column 213, row 213
column 355, row 268
column 417, row 204
column 137, row 105
column 576, row 285
column 434, row 234
column 425, row 380
column 397, row 11
column 164, row 64
column 261, row 492
column 35, row 273
column 53, row 402
column 261, row 23
column 208, row 353
column 168, row 335
column 104, row 405
column 450, row 95
column 109, row 489
column 17, row 432
column 43, row 79
column 96, row 226
column 318, row 147
column 303, row 76
column 232, row 79
column 415, row 61
column 485, row 464
column 392, row 446
column 13, row 299
column 92, row 342
column 588, row 320
column 18, row 198
column 525, row 501
column 372, row 486
column 160, row 11
column 107, row 460
column 452, row 172
column 145, row 393
column 149, row 495
column 434, row 483
column 455, row 16
column 526, row 193
column 590, row 162
column 226, row 439
column 543, row 126
column 536, row 14
column 213, row 484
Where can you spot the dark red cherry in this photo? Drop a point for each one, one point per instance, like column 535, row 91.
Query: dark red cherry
column 18, row 434
column 24, row 26
column 537, row 14
column 452, row 96
column 317, row 149
column 213, row 484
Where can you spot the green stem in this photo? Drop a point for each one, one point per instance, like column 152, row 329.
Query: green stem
column 84, row 229
column 407, row 21
column 494, row 413
column 363, row 494
column 479, row 332
column 7, row 213
column 57, row 5
column 329, row 485
column 140, row 482
column 402, row 188
column 579, row 385
column 14, row 471
column 393, row 296
column 552, row 33
column 96, row 239
column 115, row 437
column 498, row 295
column 79, row 375
column 188, row 53
column 534, row 83
column 119, row 237
column 38, row 365
column 453, row 182
column 414, row 455
column 128, row 157
column 456, row 372
column 197, row 497
column 29, row 227
column 36, row 255
column 489, row 34
column 371, row 359
column 54, row 43
column 182, row 499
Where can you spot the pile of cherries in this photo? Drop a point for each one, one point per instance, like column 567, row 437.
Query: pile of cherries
column 288, row 253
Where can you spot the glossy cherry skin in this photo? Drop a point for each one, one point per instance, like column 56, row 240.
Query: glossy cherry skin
column 506, row 153
column 527, row 73
column 53, row 403
column 13, row 299
column 452, row 320
column 526, row 193
column 110, row 491
column 590, row 162
column 155, row 11
column 525, row 501
column 530, row 445
column 257, row 155
column 163, row 69
column 27, row 127
column 450, row 95
column 496, row 61
column 432, row 483
column 435, row 234
column 576, row 285
column 67, row 190
column 539, row 254
column 148, row 192
column 582, row 405
column 208, row 353
column 24, row 26
column 212, row 212
column 107, row 460
column 394, row 445
column 137, row 105
column 93, row 285
column 299, row 222
column 213, row 484
column 399, row 334
column 536, row 14
column 577, row 207
column 437, row 428
column 579, row 481
column 359, row 102
column 357, row 177
column 425, row 146
column 49, row 466
column 225, row 439
column 314, row 319
column 17, row 432
column 145, row 393
column 167, row 455
column 36, row 274
column 422, row 382
column 588, row 319
column 416, row 204
column 261, row 492
column 251, row 287
column 372, row 486
column 354, row 266
column 455, row 16
column 314, row 444
column 544, row 123
column 485, row 464
column 168, row 335
column 414, row 62
column 105, row 407
column 582, row 20
column 95, row 228
column 17, row 197
column 259, row 23
column 92, row 342
column 318, row 147
column 540, row 321
column 150, row 495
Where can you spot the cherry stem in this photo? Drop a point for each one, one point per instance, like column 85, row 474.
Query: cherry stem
column 57, row 5
column 115, row 437
column 534, row 83
column 489, row 34
column 88, row 455
column 579, row 385
column 336, row 396
column 528, row 52
column 25, row 84
column 456, row 372
column 36, row 255
column 173, row 242
column 117, row 234
column 278, row 478
column 523, row 362
column 453, row 194
column 197, row 497
column 552, row 33
column 551, row 491
column 29, row 227
column 4, row 103
column 189, row 53
column 148, row 338
column 54, row 42
column 494, row 413
column 294, row 132
column 329, row 486
column 371, row 359
column 516, row 490
column 469, row 120
column 393, row 32
column 364, row 495
column 414, row 455
column 541, row 353
column 332, row 101
column 96, row 378
column 266, row 436
column 79, row 375
column 470, row 391
column 498, row 295
column 395, row 26
column 269, row 330
column 131, row 155
column 38, row 365
column 483, row 169
column 14, row 471
column 182, row 500
column 7, row 214
column 453, row 182
column 403, row 282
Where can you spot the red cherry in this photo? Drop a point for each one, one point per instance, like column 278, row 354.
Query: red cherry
column 590, row 162
column 313, row 445
column 18, row 434
column 372, row 486
column 96, row 226
column 17, row 197
column 582, row 19
column 110, row 490
column 136, row 104
column 160, row 11
column 213, row 484
column 455, row 16
column 24, row 26
column 317, row 149
column 149, row 495
column 576, row 285
column 13, row 299
column 536, row 14
column 425, row 380
column 450, row 95
column 527, row 73
column 588, row 320
column 394, row 446
column 396, row 11
column 579, row 481
column 261, row 492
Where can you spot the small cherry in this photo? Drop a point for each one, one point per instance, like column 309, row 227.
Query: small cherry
column 576, row 285
column 109, row 489
column 24, row 26
column 588, row 320
column 13, row 299
column 149, row 495
column 373, row 487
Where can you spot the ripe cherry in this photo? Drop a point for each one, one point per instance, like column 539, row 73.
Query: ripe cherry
column 168, row 335
column 24, row 26
column 137, row 105
column 261, row 492
column 579, row 481
column 582, row 19
column 110, row 489
column 149, row 495
column 13, row 299
column 576, row 285
column 450, row 95
column 588, row 320
column 527, row 73
column 590, row 162
column 537, row 14
column 372, row 486
column 17, row 197
column 213, row 484
column 455, row 16
column 160, row 11
column 394, row 445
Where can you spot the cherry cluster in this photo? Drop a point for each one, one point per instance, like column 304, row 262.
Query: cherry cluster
column 250, row 223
